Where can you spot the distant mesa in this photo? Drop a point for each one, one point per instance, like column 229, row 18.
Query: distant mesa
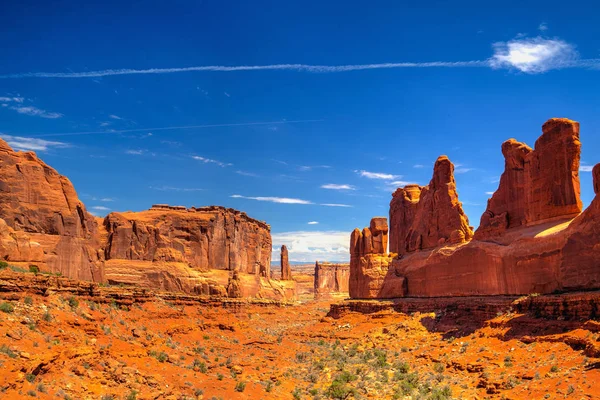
column 533, row 236
column 210, row 250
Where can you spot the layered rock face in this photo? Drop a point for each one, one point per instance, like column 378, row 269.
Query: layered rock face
column 537, row 184
column 331, row 279
column 532, row 239
column 43, row 221
column 369, row 262
column 205, row 238
column 286, row 271
column 426, row 217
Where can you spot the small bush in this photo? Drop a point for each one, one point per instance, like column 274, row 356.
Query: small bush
column 162, row 357
column 73, row 302
column 28, row 300
column 3, row 264
column 30, row 378
column 240, row 386
column 132, row 395
column 7, row 307
column 47, row 316
column 34, row 268
column 554, row 368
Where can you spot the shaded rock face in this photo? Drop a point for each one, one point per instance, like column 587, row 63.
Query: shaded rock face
column 426, row 217
column 403, row 209
column 331, row 279
column 537, row 184
column 204, row 238
column 369, row 261
column 43, row 218
column 530, row 240
column 286, row 271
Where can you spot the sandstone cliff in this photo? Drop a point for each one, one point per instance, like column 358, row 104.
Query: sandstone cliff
column 532, row 238
column 537, row 184
column 331, row 279
column 43, row 221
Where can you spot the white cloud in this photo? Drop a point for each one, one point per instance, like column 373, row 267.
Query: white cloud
column 36, row 112
column 115, row 117
column 418, row 166
column 543, row 27
column 174, row 189
column 281, row 200
column 32, row 144
column 11, row 99
column 377, row 175
column 104, row 123
column 245, row 173
column 226, row 94
column 210, row 161
column 137, row 152
column 100, row 208
column 107, row 199
column 334, row 186
column 490, row 193
column 335, row 205
column 312, row 246
column 462, row 170
column 311, row 167
column 533, row 55
column 586, row 168
column 313, row 223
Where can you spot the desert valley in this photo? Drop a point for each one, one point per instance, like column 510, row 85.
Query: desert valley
column 183, row 302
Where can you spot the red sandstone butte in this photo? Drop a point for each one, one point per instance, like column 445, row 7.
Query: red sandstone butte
column 423, row 218
column 331, row 279
column 537, row 184
column 286, row 271
column 45, row 222
column 533, row 238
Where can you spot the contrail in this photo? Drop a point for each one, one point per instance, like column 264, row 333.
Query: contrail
column 222, row 68
column 170, row 128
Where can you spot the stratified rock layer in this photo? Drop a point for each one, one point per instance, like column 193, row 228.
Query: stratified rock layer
column 537, row 184
column 286, row 271
column 403, row 209
column 331, row 279
column 43, row 221
column 532, row 239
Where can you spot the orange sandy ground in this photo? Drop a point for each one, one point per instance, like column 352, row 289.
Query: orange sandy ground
column 65, row 347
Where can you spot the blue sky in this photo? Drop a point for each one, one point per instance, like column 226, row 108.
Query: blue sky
column 97, row 89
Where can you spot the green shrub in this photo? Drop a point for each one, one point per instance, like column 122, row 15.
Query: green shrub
column 132, row 395
column 34, row 268
column 30, row 378
column 73, row 302
column 3, row 264
column 28, row 300
column 4, row 349
column 240, row 386
column 7, row 307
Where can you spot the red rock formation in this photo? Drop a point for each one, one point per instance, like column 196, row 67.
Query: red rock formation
column 286, row 271
column 331, row 279
column 536, row 184
column 204, row 238
column 403, row 209
column 41, row 209
column 369, row 262
column 545, row 249
column 439, row 217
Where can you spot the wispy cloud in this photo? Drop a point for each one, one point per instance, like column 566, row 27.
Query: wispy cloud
column 35, row 112
column 173, row 128
column 245, row 173
column 543, row 27
column 32, row 144
column 586, row 168
column 490, row 193
column 135, row 152
column 11, row 99
column 100, row 208
column 311, row 167
column 462, row 170
column 112, row 116
column 312, row 246
column 534, row 55
column 211, row 161
column 335, row 205
column 418, row 166
column 281, row 200
column 377, row 175
column 313, row 223
column 174, row 189
column 334, row 186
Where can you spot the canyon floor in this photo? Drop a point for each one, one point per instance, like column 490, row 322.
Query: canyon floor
column 66, row 346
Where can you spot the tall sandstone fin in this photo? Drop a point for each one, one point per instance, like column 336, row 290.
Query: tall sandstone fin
column 438, row 215
column 286, row 271
column 537, row 184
